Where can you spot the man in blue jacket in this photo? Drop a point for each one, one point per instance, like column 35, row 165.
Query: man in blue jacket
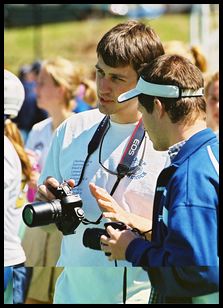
column 181, row 256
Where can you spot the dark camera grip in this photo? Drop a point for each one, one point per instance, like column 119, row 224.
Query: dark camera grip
column 116, row 225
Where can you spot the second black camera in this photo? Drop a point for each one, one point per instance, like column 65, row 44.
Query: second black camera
column 91, row 236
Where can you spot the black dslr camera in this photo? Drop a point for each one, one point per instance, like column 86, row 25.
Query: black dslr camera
column 91, row 236
column 65, row 211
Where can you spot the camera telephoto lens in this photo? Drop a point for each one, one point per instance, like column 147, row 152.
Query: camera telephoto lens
column 28, row 214
column 41, row 213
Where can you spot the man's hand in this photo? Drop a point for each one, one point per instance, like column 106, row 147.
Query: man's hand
column 115, row 212
column 44, row 194
column 117, row 243
column 108, row 205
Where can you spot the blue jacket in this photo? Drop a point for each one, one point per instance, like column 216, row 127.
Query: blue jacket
column 185, row 214
column 29, row 113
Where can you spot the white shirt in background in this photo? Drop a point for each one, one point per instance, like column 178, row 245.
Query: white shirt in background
column 13, row 251
column 39, row 140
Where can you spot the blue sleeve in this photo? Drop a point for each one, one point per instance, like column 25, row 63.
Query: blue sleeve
column 187, row 242
column 187, row 281
column 184, row 281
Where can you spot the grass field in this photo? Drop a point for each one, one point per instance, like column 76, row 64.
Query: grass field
column 77, row 40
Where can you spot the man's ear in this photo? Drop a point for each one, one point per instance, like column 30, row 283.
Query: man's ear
column 159, row 108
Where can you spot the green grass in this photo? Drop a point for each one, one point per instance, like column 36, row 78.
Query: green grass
column 172, row 27
column 77, row 40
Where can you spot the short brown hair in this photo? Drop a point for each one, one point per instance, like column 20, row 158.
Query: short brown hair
column 131, row 43
column 179, row 71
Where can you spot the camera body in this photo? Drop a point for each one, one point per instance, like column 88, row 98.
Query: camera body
column 65, row 211
column 91, row 236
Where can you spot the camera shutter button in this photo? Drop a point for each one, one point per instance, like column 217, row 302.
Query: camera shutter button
column 80, row 212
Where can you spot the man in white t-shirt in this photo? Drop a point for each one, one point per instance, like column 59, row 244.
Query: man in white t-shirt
column 88, row 277
column 13, row 252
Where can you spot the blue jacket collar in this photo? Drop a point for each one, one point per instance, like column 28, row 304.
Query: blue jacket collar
column 193, row 144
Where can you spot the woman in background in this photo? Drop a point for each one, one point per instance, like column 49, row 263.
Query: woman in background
column 212, row 99
column 57, row 84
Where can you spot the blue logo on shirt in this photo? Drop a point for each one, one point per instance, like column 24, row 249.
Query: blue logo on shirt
column 139, row 173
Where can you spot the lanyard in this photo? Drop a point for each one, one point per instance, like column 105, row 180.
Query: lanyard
column 131, row 151
column 94, row 144
column 124, row 167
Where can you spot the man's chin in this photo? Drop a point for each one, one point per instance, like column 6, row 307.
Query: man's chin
column 103, row 109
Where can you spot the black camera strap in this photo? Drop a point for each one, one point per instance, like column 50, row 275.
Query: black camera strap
column 124, row 167
column 94, row 143
column 124, row 285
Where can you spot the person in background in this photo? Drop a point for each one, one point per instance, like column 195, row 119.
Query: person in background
column 17, row 170
column 194, row 53
column 181, row 266
column 212, row 99
column 85, row 99
column 28, row 75
column 77, row 156
column 57, row 84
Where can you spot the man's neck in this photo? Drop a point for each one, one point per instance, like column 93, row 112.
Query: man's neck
column 126, row 118
column 183, row 132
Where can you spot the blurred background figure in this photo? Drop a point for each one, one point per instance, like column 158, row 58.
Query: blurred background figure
column 212, row 100
column 30, row 113
column 17, row 170
column 85, row 98
column 193, row 53
column 57, row 85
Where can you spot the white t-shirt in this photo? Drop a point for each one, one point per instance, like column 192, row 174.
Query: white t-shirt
column 13, row 251
column 135, row 194
column 39, row 140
